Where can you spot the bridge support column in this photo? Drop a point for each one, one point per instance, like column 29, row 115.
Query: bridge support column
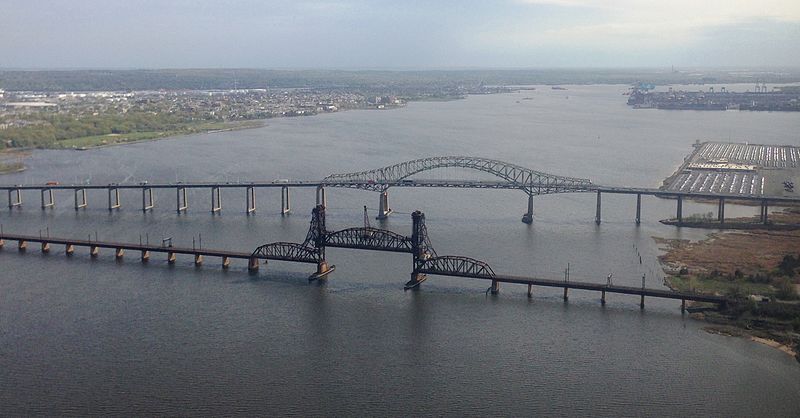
column 250, row 197
column 641, row 302
column 603, row 297
column 597, row 213
column 69, row 249
column 113, row 199
column 323, row 269
column 530, row 291
column 198, row 259
column 45, row 247
column 148, row 202
column 566, row 297
column 383, row 206
column 94, row 250
column 322, row 199
column 216, row 200
column 416, row 279
column 764, row 212
column 80, row 199
column 252, row 265
column 638, row 208
column 721, row 210
column 47, row 198
column 495, row 287
column 17, row 201
column 680, row 210
column 683, row 305
column 182, row 202
column 226, row 262
column 170, row 257
column 119, row 253
column 528, row 216
column 286, row 206
column 22, row 245
column 145, row 256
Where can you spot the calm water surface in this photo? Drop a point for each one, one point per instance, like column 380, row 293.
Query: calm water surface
column 81, row 336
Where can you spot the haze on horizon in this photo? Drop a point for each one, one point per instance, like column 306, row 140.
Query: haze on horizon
column 399, row 35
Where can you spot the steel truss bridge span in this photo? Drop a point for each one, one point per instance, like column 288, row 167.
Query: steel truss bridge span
column 515, row 176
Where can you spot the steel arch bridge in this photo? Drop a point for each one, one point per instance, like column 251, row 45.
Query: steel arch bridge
column 514, row 176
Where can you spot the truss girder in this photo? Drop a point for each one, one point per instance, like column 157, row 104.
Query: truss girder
column 518, row 177
column 288, row 251
column 452, row 265
column 369, row 238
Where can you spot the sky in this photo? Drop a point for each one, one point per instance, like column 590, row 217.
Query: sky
column 398, row 34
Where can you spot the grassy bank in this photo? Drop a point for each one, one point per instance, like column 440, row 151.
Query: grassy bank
column 113, row 139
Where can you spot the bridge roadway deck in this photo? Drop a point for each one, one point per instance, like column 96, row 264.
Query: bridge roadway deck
column 629, row 290
column 369, row 185
column 144, row 247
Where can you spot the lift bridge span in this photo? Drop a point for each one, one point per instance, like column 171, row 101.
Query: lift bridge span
column 509, row 176
column 425, row 260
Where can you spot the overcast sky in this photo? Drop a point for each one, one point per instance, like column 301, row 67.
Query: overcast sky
column 398, row 34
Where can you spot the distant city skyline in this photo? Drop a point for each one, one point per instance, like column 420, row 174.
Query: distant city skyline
column 382, row 34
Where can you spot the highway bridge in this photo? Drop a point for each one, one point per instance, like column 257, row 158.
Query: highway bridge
column 404, row 174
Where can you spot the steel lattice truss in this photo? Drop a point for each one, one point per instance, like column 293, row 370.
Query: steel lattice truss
column 288, row 251
column 369, row 239
column 453, row 265
column 517, row 177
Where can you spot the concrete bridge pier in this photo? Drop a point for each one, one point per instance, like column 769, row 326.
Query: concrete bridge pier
column 683, row 306
column 250, row 197
column 145, row 256
column 119, row 253
column 323, row 269
column 528, row 216
column 721, row 210
column 148, row 202
column 764, row 212
column 566, row 297
column 22, row 245
column 17, row 201
column 198, row 259
column 47, row 198
column 252, row 265
column 495, row 287
column 603, row 297
column 216, row 200
column 182, row 202
column 322, row 199
column 80, row 199
column 638, row 208
column 69, row 249
column 597, row 213
column 679, row 215
column 94, row 251
column 226, row 262
column 530, row 291
column 45, row 247
column 383, row 206
column 170, row 257
column 286, row 205
column 113, row 199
